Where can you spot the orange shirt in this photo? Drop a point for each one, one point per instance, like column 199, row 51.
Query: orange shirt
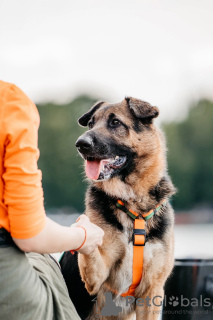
column 21, row 194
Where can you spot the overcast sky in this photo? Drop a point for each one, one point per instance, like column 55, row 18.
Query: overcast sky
column 159, row 51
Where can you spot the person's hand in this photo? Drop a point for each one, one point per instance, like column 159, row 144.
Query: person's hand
column 94, row 234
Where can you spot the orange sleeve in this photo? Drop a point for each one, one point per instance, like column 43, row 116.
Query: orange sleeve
column 23, row 193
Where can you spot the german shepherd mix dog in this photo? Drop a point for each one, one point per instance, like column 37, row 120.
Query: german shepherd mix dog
column 125, row 158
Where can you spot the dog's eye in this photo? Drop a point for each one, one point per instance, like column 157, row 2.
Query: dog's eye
column 90, row 124
column 114, row 123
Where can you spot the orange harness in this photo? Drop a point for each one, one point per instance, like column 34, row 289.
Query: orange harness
column 139, row 240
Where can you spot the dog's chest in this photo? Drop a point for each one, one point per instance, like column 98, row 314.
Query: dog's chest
column 125, row 274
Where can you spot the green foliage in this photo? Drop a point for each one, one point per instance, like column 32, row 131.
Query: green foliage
column 190, row 156
column 62, row 167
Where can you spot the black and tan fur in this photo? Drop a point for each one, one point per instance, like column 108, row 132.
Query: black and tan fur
column 142, row 183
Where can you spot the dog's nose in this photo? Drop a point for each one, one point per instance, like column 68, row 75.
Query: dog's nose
column 83, row 144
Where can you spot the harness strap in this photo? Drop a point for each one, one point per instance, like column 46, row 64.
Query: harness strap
column 139, row 239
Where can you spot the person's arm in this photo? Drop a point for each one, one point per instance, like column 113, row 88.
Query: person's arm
column 52, row 238
column 56, row 238
column 23, row 193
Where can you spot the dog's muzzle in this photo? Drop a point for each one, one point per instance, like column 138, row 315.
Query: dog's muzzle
column 101, row 163
column 84, row 144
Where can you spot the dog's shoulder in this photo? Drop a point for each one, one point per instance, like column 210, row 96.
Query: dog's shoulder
column 163, row 220
column 163, row 189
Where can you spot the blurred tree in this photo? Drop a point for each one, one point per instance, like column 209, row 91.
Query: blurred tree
column 190, row 156
column 62, row 167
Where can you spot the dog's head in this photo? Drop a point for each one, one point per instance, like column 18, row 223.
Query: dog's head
column 118, row 137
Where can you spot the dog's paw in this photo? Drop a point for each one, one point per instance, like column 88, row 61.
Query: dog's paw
column 91, row 286
column 92, row 289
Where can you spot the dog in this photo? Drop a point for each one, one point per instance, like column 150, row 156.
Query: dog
column 125, row 159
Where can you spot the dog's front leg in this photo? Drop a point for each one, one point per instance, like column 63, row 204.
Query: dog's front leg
column 152, row 306
column 94, row 270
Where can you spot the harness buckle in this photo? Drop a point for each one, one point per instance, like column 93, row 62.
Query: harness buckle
column 139, row 237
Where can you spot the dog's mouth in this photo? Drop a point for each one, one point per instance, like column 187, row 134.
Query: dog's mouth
column 103, row 169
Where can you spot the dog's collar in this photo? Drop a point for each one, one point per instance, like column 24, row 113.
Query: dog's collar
column 134, row 215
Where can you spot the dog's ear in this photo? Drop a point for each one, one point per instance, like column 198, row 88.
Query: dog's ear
column 83, row 120
column 142, row 110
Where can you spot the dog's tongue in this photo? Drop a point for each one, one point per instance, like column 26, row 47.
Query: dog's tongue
column 93, row 169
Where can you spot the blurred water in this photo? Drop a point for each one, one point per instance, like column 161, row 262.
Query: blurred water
column 194, row 241
column 64, row 219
